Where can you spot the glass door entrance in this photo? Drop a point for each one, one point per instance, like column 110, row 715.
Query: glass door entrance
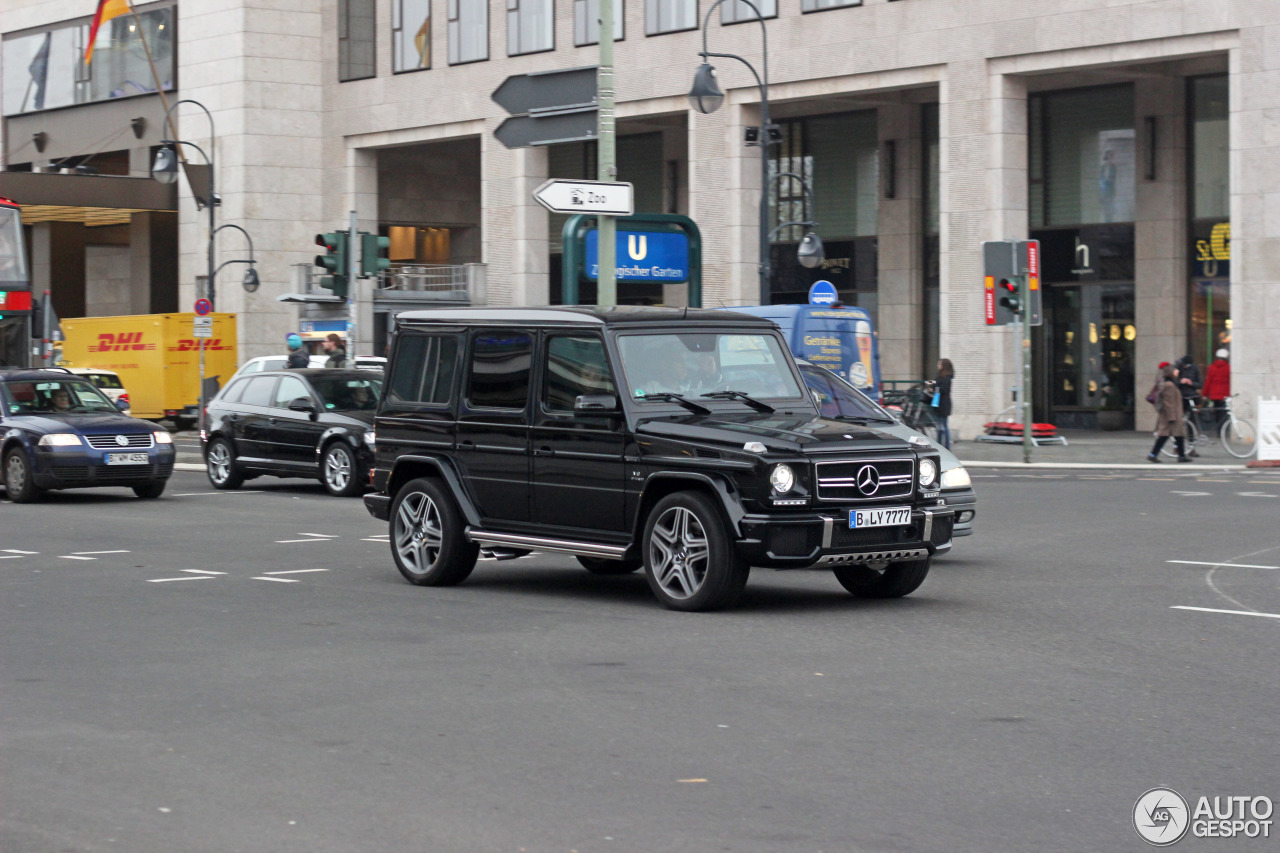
column 1084, row 357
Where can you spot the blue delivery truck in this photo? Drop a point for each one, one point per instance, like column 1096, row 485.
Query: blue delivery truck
column 838, row 338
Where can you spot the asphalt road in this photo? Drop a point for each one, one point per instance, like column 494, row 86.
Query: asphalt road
column 247, row 672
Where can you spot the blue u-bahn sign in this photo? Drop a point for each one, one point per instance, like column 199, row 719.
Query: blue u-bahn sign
column 661, row 256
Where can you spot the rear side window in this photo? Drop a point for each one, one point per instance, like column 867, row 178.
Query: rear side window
column 500, row 362
column 233, row 392
column 423, row 371
column 105, row 380
column 258, row 393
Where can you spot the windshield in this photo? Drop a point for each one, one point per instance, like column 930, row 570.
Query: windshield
column 348, row 393
column 56, row 397
column 697, row 363
column 836, row 398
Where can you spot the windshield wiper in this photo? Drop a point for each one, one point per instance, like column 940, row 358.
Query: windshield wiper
column 667, row 396
column 738, row 395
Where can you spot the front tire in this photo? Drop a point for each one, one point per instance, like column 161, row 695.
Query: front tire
column 338, row 471
column 895, row 581
column 427, row 538
column 19, row 481
column 599, row 566
column 220, row 463
column 689, row 558
column 150, row 491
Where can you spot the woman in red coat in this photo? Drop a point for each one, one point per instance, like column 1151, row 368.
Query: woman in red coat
column 1217, row 385
column 1169, row 416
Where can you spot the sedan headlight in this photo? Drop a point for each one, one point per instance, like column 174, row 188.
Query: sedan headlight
column 782, row 478
column 956, row 478
column 370, row 438
column 163, row 437
column 928, row 472
column 60, row 439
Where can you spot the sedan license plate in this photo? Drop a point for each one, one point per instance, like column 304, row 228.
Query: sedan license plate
column 887, row 517
column 127, row 459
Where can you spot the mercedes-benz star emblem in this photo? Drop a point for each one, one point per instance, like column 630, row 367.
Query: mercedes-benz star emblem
column 123, row 441
column 868, row 480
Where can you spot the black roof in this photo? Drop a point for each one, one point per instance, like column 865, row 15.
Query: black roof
column 594, row 315
column 317, row 372
column 36, row 374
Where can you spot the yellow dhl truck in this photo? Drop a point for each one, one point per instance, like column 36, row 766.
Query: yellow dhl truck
column 157, row 357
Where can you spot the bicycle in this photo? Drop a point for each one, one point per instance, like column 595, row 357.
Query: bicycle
column 1194, row 433
column 912, row 406
column 1238, row 435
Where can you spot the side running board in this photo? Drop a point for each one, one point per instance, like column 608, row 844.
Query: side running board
column 539, row 543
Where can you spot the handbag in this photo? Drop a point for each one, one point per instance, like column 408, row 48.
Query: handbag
column 937, row 399
column 1154, row 396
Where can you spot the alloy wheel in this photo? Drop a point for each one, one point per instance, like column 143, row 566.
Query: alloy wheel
column 418, row 534
column 15, row 473
column 219, row 463
column 679, row 552
column 337, row 469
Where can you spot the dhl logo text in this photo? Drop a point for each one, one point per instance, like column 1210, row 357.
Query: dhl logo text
column 188, row 345
column 111, row 342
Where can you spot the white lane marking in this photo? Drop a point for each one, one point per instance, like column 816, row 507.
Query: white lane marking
column 78, row 553
column 11, row 556
column 16, row 551
column 199, row 494
column 321, row 535
column 295, row 572
column 291, row 541
column 1255, row 495
column 166, row 580
column 385, row 541
column 278, row 580
column 1231, row 612
column 74, row 557
column 201, row 572
column 1192, row 494
column 1220, row 565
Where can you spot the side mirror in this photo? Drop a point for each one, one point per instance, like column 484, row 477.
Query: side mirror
column 302, row 404
column 595, row 404
column 122, row 405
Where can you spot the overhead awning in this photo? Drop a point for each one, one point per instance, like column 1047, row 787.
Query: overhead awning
column 89, row 199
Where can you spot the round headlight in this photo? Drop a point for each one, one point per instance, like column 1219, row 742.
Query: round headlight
column 782, row 478
column 928, row 472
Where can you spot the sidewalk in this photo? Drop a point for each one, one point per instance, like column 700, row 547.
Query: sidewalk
column 1088, row 449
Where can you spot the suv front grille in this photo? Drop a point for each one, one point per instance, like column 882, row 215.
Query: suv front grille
column 111, row 442
column 865, row 479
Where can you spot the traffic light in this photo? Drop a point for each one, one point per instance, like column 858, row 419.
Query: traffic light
column 1009, row 296
column 334, row 260
column 371, row 260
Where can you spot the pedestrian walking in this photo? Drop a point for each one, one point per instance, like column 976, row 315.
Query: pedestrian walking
column 297, row 355
column 942, row 400
column 1217, row 385
column 337, row 351
column 1169, row 416
column 1189, row 386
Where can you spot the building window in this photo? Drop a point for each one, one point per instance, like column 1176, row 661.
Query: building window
column 45, row 70
column 932, row 307
column 736, row 11
column 586, row 22
column 530, row 26
column 1209, row 158
column 1083, row 157
column 410, row 35
column 468, row 31
column 1209, row 188
column 355, row 40
column 670, row 16
column 819, row 5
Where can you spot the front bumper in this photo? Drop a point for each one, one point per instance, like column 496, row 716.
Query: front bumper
column 823, row 538
column 75, row 468
column 965, row 504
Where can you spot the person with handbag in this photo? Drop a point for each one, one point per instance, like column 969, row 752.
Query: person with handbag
column 942, row 400
column 1169, row 416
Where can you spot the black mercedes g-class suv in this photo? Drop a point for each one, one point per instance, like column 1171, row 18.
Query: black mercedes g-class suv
column 678, row 440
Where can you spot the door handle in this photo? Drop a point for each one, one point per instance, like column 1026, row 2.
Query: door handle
column 544, row 451
column 271, row 420
column 467, row 443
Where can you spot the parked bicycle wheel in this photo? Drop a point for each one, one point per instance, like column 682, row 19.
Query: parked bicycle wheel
column 1191, row 440
column 1238, row 437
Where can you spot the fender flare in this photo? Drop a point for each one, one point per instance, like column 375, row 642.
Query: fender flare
column 444, row 470
column 720, row 487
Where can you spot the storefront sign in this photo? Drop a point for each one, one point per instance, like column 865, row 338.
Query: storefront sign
column 1211, row 250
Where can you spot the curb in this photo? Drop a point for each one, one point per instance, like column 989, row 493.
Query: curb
column 1117, row 466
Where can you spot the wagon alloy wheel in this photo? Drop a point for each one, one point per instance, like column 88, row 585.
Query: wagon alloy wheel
column 427, row 539
column 679, row 552
column 339, row 471
column 690, row 561
column 18, row 481
column 221, row 465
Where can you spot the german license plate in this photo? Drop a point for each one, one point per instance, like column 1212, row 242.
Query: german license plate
column 127, row 459
column 886, row 517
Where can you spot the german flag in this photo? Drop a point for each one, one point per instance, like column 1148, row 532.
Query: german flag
column 107, row 9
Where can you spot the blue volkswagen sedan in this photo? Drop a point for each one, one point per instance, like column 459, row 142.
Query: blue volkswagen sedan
column 58, row 431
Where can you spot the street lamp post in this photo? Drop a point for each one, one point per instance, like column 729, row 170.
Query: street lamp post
column 706, row 97
column 165, row 170
column 810, row 252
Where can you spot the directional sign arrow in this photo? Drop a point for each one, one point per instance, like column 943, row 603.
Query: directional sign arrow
column 524, row 131
column 547, row 90
column 610, row 199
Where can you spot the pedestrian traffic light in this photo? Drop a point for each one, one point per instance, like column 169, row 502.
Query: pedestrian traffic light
column 371, row 260
column 1009, row 296
column 334, row 260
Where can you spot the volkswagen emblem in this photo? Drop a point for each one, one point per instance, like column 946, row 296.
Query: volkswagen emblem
column 868, row 480
column 122, row 440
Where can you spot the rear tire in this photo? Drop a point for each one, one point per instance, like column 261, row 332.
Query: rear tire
column 599, row 566
column 19, row 481
column 689, row 558
column 1239, row 438
column 150, row 491
column 427, row 538
column 220, row 464
column 897, row 579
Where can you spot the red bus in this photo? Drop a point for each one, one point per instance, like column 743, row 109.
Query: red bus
column 15, row 289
